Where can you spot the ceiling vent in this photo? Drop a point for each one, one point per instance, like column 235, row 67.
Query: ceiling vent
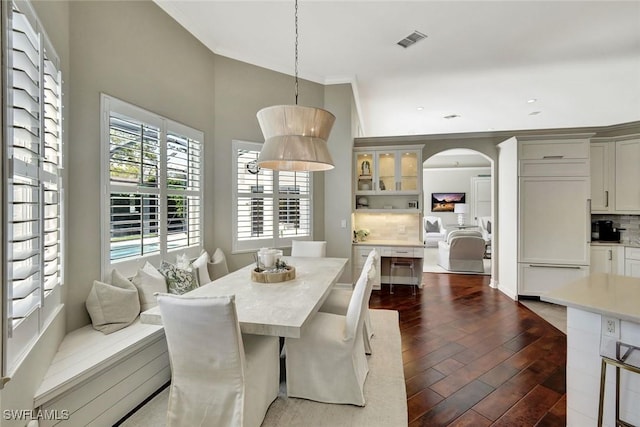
column 412, row 39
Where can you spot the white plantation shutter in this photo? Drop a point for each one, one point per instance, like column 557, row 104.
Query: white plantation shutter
column 184, row 220
column 32, row 192
column 270, row 207
column 152, row 174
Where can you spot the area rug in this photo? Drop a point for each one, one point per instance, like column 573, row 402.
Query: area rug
column 430, row 264
column 384, row 392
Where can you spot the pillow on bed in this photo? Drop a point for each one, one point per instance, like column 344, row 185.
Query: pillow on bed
column 149, row 280
column 113, row 306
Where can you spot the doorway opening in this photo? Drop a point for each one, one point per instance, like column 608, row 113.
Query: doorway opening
column 458, row 206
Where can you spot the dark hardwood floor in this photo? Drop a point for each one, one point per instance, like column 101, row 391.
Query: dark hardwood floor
column 474, row 357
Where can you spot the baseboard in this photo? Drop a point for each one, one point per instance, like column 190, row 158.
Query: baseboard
column 508, row 292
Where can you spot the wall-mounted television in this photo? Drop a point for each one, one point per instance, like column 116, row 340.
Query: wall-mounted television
column 444, row 202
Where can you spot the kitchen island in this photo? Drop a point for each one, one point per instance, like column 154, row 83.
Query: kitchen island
column 601, row 310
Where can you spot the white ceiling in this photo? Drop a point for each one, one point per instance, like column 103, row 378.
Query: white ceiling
column 481, row 60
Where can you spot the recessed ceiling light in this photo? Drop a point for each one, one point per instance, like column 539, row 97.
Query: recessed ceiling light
column 420, row 108
column 531, row 101
column 535, row 113
column 451, row 116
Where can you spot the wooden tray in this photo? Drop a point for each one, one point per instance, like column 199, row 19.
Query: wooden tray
column 266, row 277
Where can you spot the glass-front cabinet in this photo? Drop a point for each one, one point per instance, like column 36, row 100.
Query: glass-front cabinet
column 388, row 171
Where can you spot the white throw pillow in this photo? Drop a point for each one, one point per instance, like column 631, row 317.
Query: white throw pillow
column 149, row 280
column 218, row 265
column 113, row 307
column 200, row 264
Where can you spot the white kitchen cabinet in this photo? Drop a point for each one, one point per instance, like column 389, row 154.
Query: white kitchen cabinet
column 627, row 176
column 388, row 171
column 545, row 220
column 538, row 279
column 554, row 149
column 555, row 222
column 632, row 262
column 607, row 259
column 602, row 167
column 388, row 178
column 615, row 175
column 360, row 254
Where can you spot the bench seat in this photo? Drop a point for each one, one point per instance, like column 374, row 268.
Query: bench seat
column 99, row 378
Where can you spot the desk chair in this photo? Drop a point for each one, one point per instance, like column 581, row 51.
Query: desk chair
column 407, row 263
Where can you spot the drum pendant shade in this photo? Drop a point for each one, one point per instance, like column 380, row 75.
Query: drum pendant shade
column 295, row 138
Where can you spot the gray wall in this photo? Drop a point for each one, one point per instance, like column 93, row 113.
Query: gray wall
column 135, row 52
column 337, row 210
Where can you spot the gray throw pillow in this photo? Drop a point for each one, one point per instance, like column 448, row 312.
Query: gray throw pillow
column 179, row 281
column 432, row 227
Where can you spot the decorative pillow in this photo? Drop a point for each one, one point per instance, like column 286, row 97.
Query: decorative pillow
column 218, row 265
column 148, row 280
column 179, row 281
column 432, row 227
column 200, row 265
column 182, row 261
column 488, row 226
column 113, row 307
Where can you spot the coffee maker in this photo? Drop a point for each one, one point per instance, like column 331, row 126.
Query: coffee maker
column 605, row 231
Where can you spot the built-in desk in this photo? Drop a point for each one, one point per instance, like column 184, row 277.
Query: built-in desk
column 389, row 249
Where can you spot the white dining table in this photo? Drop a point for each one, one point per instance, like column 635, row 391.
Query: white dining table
column 277, row 309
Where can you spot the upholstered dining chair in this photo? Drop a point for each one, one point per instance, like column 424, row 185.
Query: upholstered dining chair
column 338, row 303
column 327, row 363
column 308, row 248
column 219, row 377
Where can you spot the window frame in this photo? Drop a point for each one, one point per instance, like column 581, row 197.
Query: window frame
column 45, row 172
column 128, row 266
column 275, row 241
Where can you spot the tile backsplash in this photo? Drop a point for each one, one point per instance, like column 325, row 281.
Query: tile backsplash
column 383, row 226
column 630, row 224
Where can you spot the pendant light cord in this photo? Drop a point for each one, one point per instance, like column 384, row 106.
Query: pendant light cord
column 296, row 50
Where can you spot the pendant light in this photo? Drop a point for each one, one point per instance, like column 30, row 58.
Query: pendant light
column 295, row 136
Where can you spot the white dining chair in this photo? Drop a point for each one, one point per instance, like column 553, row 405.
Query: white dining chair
column 327, row 363
column 338, row 302
column 219, row 377
column 308, row 248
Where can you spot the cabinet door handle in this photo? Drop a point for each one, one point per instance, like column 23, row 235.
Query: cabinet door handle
column 610, row 255
column 606, row 199
column 552, row 157
column 402, row 252
column 588, row 220
column 571, row 267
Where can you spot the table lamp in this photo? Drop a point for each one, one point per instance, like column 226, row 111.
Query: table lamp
column 460, row 209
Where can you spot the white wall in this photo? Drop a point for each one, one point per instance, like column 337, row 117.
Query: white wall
column 449, row 180
column 508, row 218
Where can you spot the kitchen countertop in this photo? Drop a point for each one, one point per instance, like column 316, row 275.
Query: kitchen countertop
column 606, row 294
column 622, row 243
column 411, row 243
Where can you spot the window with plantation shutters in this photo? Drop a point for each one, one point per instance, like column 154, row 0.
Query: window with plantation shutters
column 152, row 180
column 271, row 208
column 32, row 182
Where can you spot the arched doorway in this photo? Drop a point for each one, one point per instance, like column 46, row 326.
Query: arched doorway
column 465, row 177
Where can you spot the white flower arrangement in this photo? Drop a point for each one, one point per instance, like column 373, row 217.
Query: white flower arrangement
column 362, row 233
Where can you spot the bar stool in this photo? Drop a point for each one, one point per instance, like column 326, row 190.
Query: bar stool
column 619, row 363
column 402, row 263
